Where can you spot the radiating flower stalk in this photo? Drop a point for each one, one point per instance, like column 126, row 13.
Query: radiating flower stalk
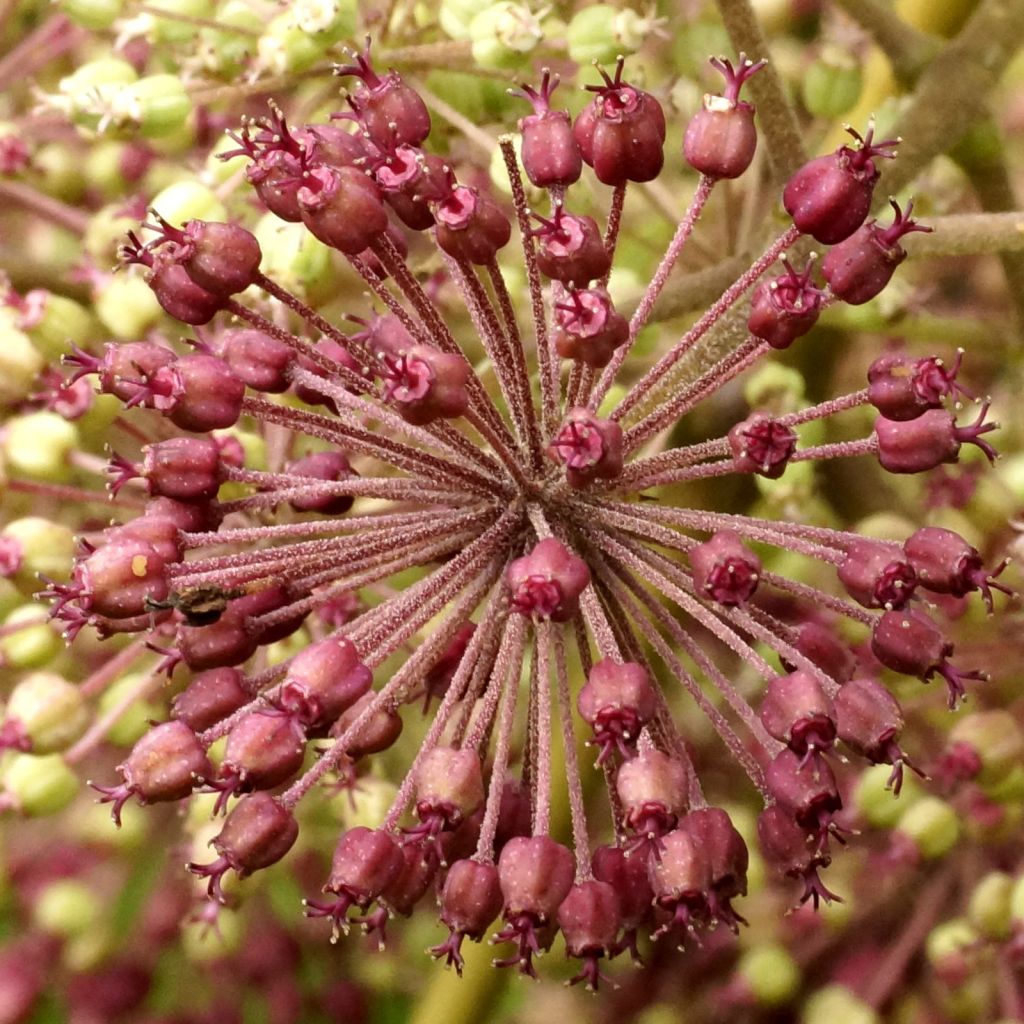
column 328, row 528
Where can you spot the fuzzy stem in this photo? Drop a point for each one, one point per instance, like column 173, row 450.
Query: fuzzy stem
column 541, row 692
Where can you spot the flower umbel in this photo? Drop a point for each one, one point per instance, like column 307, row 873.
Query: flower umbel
column 497, row 516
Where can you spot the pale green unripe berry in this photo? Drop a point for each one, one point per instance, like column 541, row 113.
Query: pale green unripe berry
column 20, row 362
column 106, row 231
column 218, row 171
column 94, row 424
column 50, row 709
column 771, row 973
column 127, row 306
column 39, row 785
column 996, row 738
column 67, row 907
column 31, row 646
column 501, row 34
column 58, row 170
column 932, row 825
column 832, row 84
column 92, row 14
column 989, row 908
column 287, row 648
column 38, row 444
column 885, row 526
column 188, row 200
column 874, row 800
column 834, row 1003
column 1009, row 790
column 1017, row 901
column 134, row 721
column 56, row 323
column 602, row 32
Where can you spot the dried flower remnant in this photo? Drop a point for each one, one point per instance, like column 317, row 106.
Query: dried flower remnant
column 509, row 514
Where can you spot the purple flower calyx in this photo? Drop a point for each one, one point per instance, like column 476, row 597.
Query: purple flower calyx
column 859, row 158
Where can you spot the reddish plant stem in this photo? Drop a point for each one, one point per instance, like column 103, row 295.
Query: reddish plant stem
column 703, row 325
column 611, row 231
column 540, row 689
column 65, row 492
column 547, row 364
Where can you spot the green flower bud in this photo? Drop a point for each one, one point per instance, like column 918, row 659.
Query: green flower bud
column 176, row 31
column 996, row 738
column 329, row 20
column 135, row 720
column 455, row 16
column 836, row 1003
column 1010, row 471
column 601, row 32
column 949, row 938
column 989, row 908
column 39, row 443
column 885, row 526
column 50, row 709
column 225, row 52
column 365, row 804
column 1009, row 789
column 203, row 943
column 39, row 785
column 1017, row 901
column 156, row 106
column 92, row 14
column 875, row 801
column 10, row 597
column 57, row 323
column 32, row 646
column 771, row 973
column 284, row 49
column 106, row 231
column 20, row 362
column 775, row 389
column 188, row 200
column 832, row 84
column 89, row 95
column 94, row 425
column 932, row 825
column 501, row 34
column 295, row 259
column 58, row 170
column 67, row 907
column 287, row 648
column 127, row 306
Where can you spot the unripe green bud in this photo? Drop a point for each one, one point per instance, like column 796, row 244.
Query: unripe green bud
column 1017, row 901
column 875, row 801
column 502, row 33
column 39, row 443
column 836, row 1003
column 92, row 14
column 50, row 709
column 57, row 169
column 932, row 825
column 106, row 231
column 328, row 20
column 156, row 106
column 832, row 84
column 39, row 785
column 89, row 95
column 224, row 51
column 455, row 16
column 989, row 909
column 31, row 646
column 134, row 721
column 127, row 306
column 602, row 32
column 284, row 49
column 364, row 805
column 885, row 526
column 203, row 943
column 47, row 548
column 176, row 31
column 775, row 389
column 1009, row 789
column 59, row 322
column 20, row 362
column 94, row 425
column 996, row 738
column 295, row 259
column 188, row 200
column 949, row 938
column 771, row 973
column 67, row 907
